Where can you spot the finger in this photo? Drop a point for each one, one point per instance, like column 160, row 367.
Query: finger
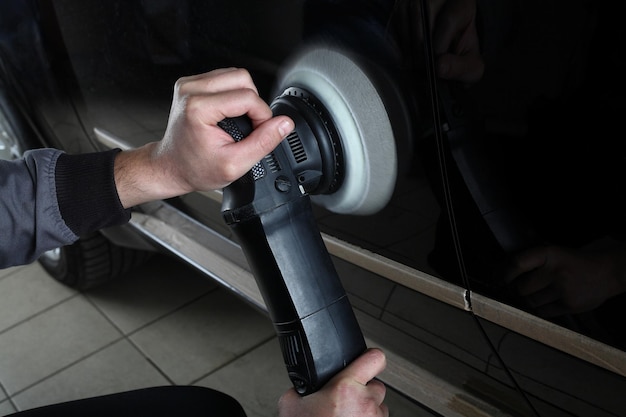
column 532, row 282
column 445, row 33
column 377, row 391
column 385, row 410
column 435, row 8
column 223, row 79
column 542, row 297
column 262, row 141
column 467, row 68
column 209, row 109
column 288, row 396
column 208, row 73
column 526, row 261
column 364, row 368
column 453, row 28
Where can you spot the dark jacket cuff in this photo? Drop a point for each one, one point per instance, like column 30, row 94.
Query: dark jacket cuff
column 86, row 192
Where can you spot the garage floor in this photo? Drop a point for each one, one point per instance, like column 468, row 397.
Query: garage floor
column 163, row 324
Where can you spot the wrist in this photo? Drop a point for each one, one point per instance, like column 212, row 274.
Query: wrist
column 139, row 177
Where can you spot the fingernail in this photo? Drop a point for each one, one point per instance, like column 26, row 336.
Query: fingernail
column 285, row 127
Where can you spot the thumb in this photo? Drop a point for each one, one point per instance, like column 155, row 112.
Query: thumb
column 465, row 68
column 364, row 368
column 526, row 261
column 261, row 141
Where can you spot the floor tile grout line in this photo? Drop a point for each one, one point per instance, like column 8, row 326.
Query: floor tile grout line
column 151, row 322
column 236, row 358
column 127, row 336
column 10, row 400
column 162, row 372
column 8, row 397
column 122, row 336
column 6, row 394
column 153, row 364
column 130, row 341
column 65, row 367
column 39, row 313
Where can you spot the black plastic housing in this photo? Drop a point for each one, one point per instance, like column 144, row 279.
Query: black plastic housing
column 273, row 220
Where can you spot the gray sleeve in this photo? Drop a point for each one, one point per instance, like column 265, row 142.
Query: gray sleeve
column 30, row 219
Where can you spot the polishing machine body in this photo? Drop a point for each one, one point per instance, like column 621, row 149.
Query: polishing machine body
column 348, row 166
column 272, row 218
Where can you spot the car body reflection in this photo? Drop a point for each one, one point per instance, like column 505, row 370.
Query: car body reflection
column 509, row 204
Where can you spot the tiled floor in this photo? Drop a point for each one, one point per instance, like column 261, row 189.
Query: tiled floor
column 163, row 324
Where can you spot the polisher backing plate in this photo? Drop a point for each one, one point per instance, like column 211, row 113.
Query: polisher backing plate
column 360, row 117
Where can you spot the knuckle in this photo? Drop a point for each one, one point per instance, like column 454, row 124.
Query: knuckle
column 265, row 143
column 243, row 74
column 180, row 86
column 194, row 107
column 249, row 94
column 230, row 171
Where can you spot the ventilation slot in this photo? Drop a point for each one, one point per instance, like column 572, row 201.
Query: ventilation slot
column 272, row 163
column 290, row 348
column 296, row 147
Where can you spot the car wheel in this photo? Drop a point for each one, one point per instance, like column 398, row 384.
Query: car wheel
column 93, row 259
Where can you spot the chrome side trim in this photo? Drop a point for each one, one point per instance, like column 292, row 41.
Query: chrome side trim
column 396, row 272
column 199, row 246
column 533, row 327
column 110, row 141
column 196, row 248
column 223, row 260
column 548, row 333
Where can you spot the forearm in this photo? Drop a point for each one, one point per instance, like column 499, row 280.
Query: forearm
column 141, row 177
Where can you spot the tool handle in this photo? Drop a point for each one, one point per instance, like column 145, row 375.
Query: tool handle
column 316, row 326
column 317, row 330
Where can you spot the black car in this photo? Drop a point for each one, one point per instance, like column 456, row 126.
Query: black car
column 488, row 258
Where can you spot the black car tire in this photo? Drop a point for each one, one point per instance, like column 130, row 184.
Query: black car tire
column 91, row 261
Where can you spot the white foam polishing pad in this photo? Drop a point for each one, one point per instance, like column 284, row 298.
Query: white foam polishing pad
column 361, row 119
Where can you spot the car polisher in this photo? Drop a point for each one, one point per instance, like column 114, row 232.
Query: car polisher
column 342, row 155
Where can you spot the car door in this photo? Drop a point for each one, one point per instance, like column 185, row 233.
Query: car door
column 487, row 168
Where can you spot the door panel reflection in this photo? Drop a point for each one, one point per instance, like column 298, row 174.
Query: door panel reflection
column 528, row 93
column 522, row 197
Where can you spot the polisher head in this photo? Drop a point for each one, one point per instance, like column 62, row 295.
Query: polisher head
column 358, row 115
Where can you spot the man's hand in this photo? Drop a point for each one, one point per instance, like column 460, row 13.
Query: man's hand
column 455, row 41
column 554, row 281
column 351, row 393
column 195, row 154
